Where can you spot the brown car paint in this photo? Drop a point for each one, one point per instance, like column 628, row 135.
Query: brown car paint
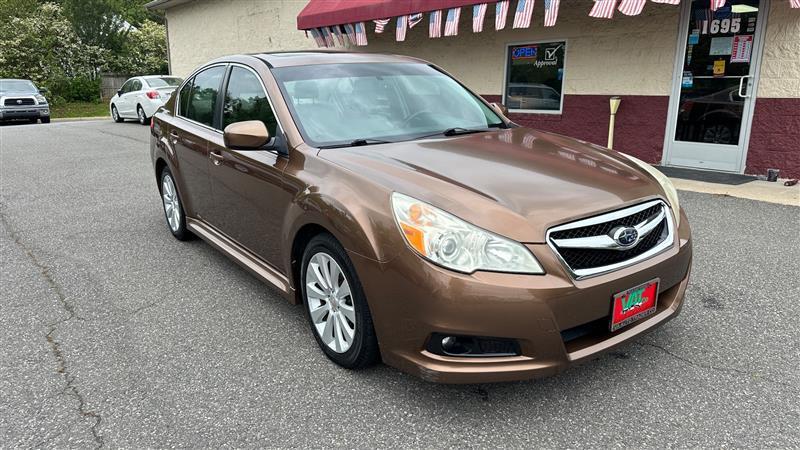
column 260, row 206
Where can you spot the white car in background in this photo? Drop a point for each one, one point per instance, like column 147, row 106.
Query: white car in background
column 140, row 97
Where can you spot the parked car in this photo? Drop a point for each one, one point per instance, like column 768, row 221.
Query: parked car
column 140, row 97
column 22, row 100
column 532, row 96
column 418, row 226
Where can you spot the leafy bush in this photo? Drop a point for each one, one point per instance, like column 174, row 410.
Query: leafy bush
column 144, row 52
column 81, row 88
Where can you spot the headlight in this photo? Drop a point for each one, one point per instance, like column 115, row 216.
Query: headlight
column 40, row 99
column 666, row 184
column 450, row 242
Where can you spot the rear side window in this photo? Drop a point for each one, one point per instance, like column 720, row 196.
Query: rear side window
column 245, row 99
column 126, row 87
column 184, row 98
column 203, row 96
column 136, row 86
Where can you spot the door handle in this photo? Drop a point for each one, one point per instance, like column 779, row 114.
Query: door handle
column 216, row 157
column 741, row 85
column 174, row 136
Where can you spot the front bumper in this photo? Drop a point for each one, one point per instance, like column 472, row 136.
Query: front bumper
column 411, row 299
column 24, row 112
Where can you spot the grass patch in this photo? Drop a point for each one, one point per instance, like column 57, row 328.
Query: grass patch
column 79, row 109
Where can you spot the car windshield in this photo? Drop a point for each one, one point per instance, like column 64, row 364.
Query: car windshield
column 16, row 86
column 337, row 104
column 163, row 82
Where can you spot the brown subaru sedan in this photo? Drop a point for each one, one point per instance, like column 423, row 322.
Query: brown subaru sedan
column 413, row 221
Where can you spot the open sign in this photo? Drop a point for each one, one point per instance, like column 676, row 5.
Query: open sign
column 531, row 52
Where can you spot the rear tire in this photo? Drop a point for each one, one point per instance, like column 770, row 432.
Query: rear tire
column 115, row 114
column 173, row 206
column 143, row 119
column 336, row 306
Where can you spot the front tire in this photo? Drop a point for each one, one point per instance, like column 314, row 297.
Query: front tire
column 45, row 119
column 115, row 114
column 336, row 306
column 173, row 207
column 143, row 119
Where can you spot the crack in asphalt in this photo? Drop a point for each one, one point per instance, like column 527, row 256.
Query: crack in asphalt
column 55, row 345
column 732, row 370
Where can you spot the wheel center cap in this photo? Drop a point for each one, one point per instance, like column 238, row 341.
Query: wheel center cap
column 334, row 303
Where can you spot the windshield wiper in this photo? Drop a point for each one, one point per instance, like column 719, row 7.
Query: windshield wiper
column 456, row 131
column 357, row 143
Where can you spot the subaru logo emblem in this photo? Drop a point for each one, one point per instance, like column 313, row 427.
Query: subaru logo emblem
column 625, row 236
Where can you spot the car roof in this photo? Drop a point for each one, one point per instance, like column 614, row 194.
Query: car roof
column 304, row 58
column 15, row 79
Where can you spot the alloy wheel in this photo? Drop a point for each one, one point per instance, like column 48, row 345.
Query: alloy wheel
column 114, row 114
column 330, row 302
column 172, row 207
column 142, row 118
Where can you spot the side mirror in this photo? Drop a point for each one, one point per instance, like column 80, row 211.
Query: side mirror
column 43, row 91
column 248, row 135
column 501, row 108
column 119, row 92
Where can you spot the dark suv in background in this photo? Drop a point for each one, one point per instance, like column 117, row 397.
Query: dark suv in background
column 22, row 100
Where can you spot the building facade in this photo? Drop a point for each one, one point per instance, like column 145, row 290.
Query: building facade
column 716, row 90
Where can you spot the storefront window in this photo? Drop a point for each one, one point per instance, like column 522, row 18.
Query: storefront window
column 535, row 77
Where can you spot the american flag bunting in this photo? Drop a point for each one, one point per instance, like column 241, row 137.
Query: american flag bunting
column 500, row 13
column 551, row 12
column 337, row 31
column 350, row 30
column 361, row 34
column 402, row 26
column 523, row 14
column 451, row 24
column 603, row 9
column 414, row 19
column 668, row 2
column 317, row 37
column 478, row 14
column 794, row 3
column 631, row 7
column 717, row 4
column 435, row 24
column 380, row 25
column 326, row 32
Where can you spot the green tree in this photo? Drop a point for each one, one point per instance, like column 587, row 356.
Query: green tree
column 145, row 51
column 43, row 47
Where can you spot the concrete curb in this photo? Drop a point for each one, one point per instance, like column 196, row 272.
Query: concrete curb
column 79, row 119
column 755, row 190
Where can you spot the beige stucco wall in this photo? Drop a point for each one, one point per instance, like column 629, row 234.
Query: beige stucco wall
column 205, row 29
column 618, row 56
column 780, row 64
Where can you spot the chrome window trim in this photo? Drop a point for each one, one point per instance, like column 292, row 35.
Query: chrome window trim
column 580, row 274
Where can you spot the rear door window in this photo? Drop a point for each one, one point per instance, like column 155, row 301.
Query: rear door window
column 245, row 99
column 136, row 85
column 204, row 94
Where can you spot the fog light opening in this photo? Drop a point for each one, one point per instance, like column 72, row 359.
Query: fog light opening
column 472, row 346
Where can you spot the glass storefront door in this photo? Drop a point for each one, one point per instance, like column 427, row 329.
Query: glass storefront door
column 713, row 97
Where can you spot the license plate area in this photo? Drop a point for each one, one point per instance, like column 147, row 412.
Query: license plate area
column 634, row 304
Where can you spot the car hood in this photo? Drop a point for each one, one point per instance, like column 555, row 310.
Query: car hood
column 7, row 93
column 516, row 182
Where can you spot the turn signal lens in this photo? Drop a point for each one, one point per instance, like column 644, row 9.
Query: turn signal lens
column 455, row 244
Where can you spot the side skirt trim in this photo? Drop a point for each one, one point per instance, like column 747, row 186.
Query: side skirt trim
column 243, row 257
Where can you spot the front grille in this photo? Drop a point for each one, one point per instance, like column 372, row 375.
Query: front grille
column 19, row 102
column 585, row 259
column 606, row 227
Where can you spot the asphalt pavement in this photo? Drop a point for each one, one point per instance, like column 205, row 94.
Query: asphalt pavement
column 114, row 334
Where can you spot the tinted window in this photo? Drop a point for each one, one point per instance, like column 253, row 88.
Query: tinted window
column 184, row 98
column 245, row 99
column 127, row 86
column 136, row 86
column 203, row 97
